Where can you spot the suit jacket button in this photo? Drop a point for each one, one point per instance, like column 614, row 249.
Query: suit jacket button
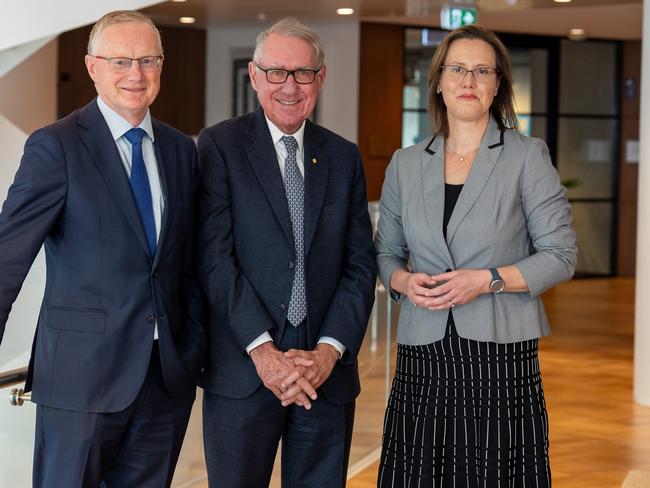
column 282, row 307
column 291, row 265
column 151, row 319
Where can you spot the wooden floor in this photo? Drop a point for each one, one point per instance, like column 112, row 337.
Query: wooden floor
column 597, row 433
column 375, row 375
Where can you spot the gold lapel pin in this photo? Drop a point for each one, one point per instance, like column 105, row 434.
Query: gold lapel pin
column 314, row 160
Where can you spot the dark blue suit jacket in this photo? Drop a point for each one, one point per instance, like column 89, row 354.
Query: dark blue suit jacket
column 103, row 290
column 246, row 250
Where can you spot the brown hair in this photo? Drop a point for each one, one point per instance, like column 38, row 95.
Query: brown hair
column 502, row 108
column 118, row 17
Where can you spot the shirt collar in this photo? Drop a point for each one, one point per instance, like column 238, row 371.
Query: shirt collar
column 118, row 125
column 277, row 134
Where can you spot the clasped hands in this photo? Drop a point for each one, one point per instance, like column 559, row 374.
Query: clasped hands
column 294, row 375
column 442, row 291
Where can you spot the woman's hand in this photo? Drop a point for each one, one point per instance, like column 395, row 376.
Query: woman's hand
column 456, row 288
column 414, row 285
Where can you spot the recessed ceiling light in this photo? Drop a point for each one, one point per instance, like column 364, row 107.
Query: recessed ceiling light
column 179, row 1
column 561, row 1
column 187, row 20
column 577, row 34
column 345, row 11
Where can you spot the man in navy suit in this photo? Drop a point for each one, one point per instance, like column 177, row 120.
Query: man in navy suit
column 118, row 346
column 287, row 263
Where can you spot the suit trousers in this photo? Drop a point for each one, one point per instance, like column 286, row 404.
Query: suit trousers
column 241, row 436
column 136, row 447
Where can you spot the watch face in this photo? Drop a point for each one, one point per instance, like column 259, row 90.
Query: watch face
column 497, row 286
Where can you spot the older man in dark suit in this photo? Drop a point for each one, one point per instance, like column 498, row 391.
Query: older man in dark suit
column 118, row 346
column 287, row 262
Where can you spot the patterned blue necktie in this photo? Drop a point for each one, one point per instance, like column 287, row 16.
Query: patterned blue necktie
column 140, row 186
column 295, row 188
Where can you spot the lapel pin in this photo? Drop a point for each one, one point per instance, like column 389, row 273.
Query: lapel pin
column 314, row 160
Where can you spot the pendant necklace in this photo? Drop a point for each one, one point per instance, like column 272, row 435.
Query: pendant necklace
column 461, row 157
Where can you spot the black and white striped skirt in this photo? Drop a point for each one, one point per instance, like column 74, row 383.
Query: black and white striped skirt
column 464, row 413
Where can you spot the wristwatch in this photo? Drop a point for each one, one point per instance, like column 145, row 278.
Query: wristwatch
column 496, row 285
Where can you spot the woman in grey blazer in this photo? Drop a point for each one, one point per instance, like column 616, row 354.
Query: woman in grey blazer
column 474, row 225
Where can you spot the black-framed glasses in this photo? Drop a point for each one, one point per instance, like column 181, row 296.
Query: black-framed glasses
column 482, row 74
column 303, row 76
column 122, row 65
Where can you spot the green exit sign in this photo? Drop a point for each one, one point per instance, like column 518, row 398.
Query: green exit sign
column 452, row 17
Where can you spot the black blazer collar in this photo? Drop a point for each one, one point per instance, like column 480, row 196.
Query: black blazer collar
column 168, row 160
column 317, row 170
column 264, row 161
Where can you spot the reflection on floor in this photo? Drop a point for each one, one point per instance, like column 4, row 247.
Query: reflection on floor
column 597, row 433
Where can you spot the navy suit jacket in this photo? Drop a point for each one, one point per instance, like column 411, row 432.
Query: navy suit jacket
column 246, row 250
column 103, row 291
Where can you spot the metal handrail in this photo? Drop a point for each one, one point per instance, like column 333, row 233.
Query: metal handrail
column 13, row 377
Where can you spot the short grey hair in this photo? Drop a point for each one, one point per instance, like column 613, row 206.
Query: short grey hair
column 291, row 27
column 119, row 17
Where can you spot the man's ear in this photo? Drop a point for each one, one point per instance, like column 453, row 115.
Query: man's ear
column 91, row 66
column 252, row 73
column 322, row 73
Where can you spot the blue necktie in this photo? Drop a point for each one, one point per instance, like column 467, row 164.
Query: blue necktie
column 140, row 186
column 295, row 189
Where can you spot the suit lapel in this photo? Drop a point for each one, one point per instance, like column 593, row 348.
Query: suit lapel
column 103, row 151
column 263, row 158
column 317, row 168
column 167, row 169
column 432, row 179
column 489, row 152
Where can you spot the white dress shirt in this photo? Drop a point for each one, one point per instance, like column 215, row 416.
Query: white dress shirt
column 118, row 127
column 281, row 152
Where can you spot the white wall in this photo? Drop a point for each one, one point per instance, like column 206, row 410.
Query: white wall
column 27, row 20
column 28, row 92
column 339, row 100
column 10, row 58
column 642, row 308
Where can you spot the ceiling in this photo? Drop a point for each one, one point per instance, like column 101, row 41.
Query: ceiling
column 615, row 19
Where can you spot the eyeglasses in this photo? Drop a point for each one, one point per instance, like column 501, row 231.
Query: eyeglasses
column 277, row 76
column 481, row 74
column 122, row 65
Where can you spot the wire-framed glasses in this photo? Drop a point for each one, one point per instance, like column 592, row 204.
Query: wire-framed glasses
column 122, row 65
column 482, row 74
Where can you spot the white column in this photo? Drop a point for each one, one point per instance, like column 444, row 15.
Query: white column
column 642, row 312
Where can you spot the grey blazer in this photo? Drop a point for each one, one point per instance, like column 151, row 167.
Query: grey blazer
column 511, row 210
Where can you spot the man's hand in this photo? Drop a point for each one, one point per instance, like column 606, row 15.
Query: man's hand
column 274, row 368
column 318, row 365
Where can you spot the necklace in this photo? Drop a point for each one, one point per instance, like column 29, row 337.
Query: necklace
column 461, row 157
